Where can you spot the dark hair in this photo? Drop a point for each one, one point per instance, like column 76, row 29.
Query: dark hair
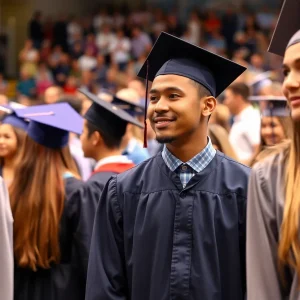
column 202, row 91
column 110, row 140
column 241, row 89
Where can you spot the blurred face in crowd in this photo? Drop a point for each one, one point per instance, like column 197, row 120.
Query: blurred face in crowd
column 291, row 83
column 176, row 110
column 8, row 141
column 52, row 94
column 135, row 32
column 100, row 60
column 230, row 100
column 89, row 51
column 257, row 61
column 271, row 131
column 28, row 44
column 120, row 34
column 90, row 38
column 24, row 74
column 64, row 59
column 138, row 86
column 3, row 99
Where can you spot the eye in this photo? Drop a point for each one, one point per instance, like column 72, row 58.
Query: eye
column 153, row 98
column 285, row 72
column 174, row 96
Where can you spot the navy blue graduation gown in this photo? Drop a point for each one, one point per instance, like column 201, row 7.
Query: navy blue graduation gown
column 154, row 240
column 99, row 177
column 66, row 280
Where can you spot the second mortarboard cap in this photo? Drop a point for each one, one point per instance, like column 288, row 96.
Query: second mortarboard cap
column 108, row 116
column 286, row 31
column 11, row 117
column 171, row 55
column 260, row 81
column 276, row 106
column 132, row 108
column 50, row 124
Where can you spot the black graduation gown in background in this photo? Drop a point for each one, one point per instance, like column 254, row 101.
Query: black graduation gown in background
column 67, row 280
column 99, row 177
column 154, row 240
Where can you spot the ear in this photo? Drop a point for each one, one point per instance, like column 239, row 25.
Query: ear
column 209, row 105
column 96, row 138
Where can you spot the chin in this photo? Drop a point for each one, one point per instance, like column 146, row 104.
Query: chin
column 295, row 114
column 165, row 139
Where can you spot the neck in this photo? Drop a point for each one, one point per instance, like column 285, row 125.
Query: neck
column 243, row 106
column 103, row 153
column 187, row 149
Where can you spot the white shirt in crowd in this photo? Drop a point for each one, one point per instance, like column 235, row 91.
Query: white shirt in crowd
column 6, row 245
column 100, row 20
column 87, row 63
column 245, row 133
column 73, row 29
column 120, row 49
column 104, row 42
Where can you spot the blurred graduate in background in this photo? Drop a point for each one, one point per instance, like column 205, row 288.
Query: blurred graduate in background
column 53, row 213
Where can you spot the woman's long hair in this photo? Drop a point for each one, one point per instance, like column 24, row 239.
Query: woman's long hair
column 37, row 199
column 289, row 243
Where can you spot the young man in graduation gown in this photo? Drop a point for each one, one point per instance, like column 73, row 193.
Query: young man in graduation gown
column 104, row 127
column 173, row 227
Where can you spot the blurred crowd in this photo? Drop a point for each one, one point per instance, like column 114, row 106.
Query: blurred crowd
column 105, row 51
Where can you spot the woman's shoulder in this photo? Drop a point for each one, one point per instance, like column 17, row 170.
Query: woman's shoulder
column 273, row 156
column 270, row 168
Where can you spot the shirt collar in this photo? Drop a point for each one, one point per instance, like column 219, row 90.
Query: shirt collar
column 203, row 158
column 112, row 159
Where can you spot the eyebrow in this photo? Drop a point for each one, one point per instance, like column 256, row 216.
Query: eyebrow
column 168, row 89
column 294, row 62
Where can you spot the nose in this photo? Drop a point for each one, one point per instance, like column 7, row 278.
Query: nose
column 292, row 81
column 267, row 130
column 161, row 105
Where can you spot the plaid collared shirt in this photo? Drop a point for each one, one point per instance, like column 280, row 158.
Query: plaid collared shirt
column 187, row 170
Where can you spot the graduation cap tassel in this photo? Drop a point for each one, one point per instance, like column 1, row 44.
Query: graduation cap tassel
column 146, row 106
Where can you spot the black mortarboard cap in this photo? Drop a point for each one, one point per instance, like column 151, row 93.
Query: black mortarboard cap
column 276, row 105
column 260, row 81
column 172, row 55
column 287, row 25
column 132, row 108
column 107, row 116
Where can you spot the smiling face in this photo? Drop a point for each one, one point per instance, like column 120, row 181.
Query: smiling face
column 8, row 141
column 272, row 131
column 176, row 110
column 291, row 84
